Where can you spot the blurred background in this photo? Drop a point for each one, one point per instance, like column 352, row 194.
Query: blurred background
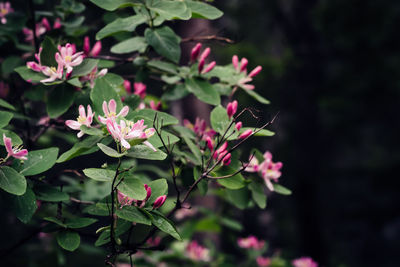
column 331, row 69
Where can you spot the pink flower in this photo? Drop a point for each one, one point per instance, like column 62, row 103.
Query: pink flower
column 154, row 242
column 46, row 24
column 4, row 89
column 93, row 75
column 127, row 86
column 231, row 108
column 251, row 242
column 155, row 106
column 96, row 49
column 304, row 262
column 140, row 89
column 243, row 65
column 210, row 144
column 202, row 59
column 57, row 23
column 209, row 67
column 196, row 252
column 235, row 62
column 245, row 134
column 5, row 8
column 129, row 130
column 159, row 201
column 238, row 125
column 33, row 65
column 53, row 73
column 255, row 71
column 195, row 52
column 222, row 153
column 200, row 128
column 83, row 119
column 40, row 29
column 124, row 200
column 110, row 111
column 16, row 152
column 263, row 262
column 148, row 191
column 68, row 58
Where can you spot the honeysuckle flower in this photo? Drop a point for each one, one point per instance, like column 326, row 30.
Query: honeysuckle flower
column 245, row 134
column 153, row 242
column 155, row 106
column 222, row 153
column 210, row 144
column 126, row 131
column 304, row 262
column 33, row 65
column 195, row 52
column 243, row 82
column 196, row 252
column 255, row 71
column 68, row 58
column 139, row 89
column 263, row 261
column 200, row 128
column 235, row 62
column 46, row 24
column 238, row 125
column 231, row 108
column 209, row 67
column 40, row 28
column 250, row 242
column 53, row 73
column 202, row 59
column 127, row 86
column 148, row 191
column 57, row 23
column 83, row 119
column 124, row 200
column 110, row 111
column 16, row 151
column 159, row 201
column 93, row 75
column 5, row 9
column 96, row 49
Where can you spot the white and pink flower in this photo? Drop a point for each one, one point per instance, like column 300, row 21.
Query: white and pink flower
column 304, row 262
column 68, row 58
column 263, row 261
column 93, row 75
column 16, row 151
column 5, row 9
column 83, row 119
column 110, row 112
column 196, row 252
column 251, row 242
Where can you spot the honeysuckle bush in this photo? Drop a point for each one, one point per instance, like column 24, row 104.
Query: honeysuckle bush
column 131, row 168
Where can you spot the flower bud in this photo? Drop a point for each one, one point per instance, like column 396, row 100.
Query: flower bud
column 155, row 106
column 205, row 54
column 127, row 86
column 231, row 108
column 148, row 190
column 195, row 52
column 227, row 159
column 235, row 62
column 57, row 23
column 46, row 24
column 238, row 125
column 255, row 71
column 209, row 67
column 86, row 45
column 140, row 89
column 246, row 134
column 209, row 143
column 159, row 201
column 201, row 66
column 243, row 64
column 96, row 49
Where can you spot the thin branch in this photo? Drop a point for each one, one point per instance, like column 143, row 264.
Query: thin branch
column 33, row 25
column 207, row 38
column 81, row 201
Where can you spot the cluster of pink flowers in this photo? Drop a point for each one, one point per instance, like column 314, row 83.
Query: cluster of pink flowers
column 220, row 153
column 124, row 200
column 140, row 90
column 201, row 58
column 304, row 262
column 16, row 151
column 83, row 119
column 66, row 57
column 5, row 8
column 241, row 67
column 263, row 261
column 251, row 242
column 91, row 51
column 200, row 128
column 268, row 169
column 40, row 28
column 231, row 109
column 196, row 252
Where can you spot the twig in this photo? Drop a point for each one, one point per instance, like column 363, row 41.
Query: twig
column 81, row 201
column 208, row 37
column 33, row 25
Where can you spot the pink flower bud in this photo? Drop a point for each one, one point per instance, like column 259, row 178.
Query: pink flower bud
column 209, row 143
column 159, row 201
column 231, row 108
column 46, row 24
column 227, row 159
column 148, row 190
column 140, row 89
column 127, row 86
column 263, row 262
column 238, row 125
column 255, row 71
column 246, row 134
column 205, row 54
column 57, row 23
column 195, row 52
column 209, row 67
column 155, row 106
column 86, row 45
column 96, row 49
column 235, row 62
column 201, row 65
column 243, row 64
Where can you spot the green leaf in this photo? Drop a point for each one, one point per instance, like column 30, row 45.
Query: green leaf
column 68, row 240
column 82, row 147
column 262, row 132
column 203, row 184
column 55, row 220
column 75, row 82
column 14, row 137
column 87, row 65
column 104, row 91
column 110, row 151
column 112, row 5
column 258, row 195
column 5, row 118
column 282, row 190
column 98, row 209
column 165, row 42
column 220, row 121
column 5, row 104
column 30, row 75
column 122, row 227
column 177, row 92
column 239, row 198
column 49, row 193
column 165, row 225
column 130, row 45
column 102, row 175
column 232, row 224
column 158, row 187
column 144, row 152
column 79, row 222
column 39, row 161
column 148, row 115
column 11, row 181
column 170, row 9
column 132, row 187
column 48, row 54
column 203, row 90
column 60, row 99
column 10, row 63
column 133, row 214
column 24, row 206
column 128, row 24
column 91, row 130
column 164, row 66
column 194, row 149
column 235, row 182
column 257, row 97
column 203, row 10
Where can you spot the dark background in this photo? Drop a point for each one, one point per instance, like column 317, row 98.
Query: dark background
column 331, row 68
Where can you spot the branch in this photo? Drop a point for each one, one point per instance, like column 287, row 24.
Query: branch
column 207, row 38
